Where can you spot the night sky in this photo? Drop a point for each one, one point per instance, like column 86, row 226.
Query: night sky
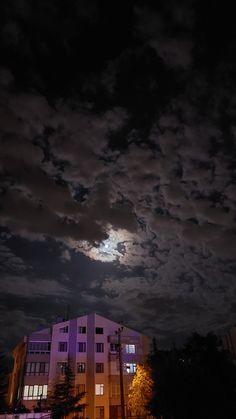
column 118, row 165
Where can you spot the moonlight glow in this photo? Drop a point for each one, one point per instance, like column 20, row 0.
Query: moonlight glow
column 111, row 249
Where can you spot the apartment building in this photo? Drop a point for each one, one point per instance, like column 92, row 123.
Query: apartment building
column 90, row 343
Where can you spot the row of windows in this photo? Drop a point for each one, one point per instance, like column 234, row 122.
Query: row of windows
column 130, row 368
column 81, row 347
column 81, row 330
column 39, row 347
column 37, row 368
column 38, row 392
column 81, row 367
column 35, row 392
column 45, row 347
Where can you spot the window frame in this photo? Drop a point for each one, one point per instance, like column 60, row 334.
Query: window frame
column 35, row 391
column 99, row 389
column 37, row 368
column 62, row 346
column 130, row 367
column 99, row 368
column 81, row 345
column 81, row 367
column 130, row 348
column 101, row 412
column 62, row 367
column 101, row 346
column 64, row 329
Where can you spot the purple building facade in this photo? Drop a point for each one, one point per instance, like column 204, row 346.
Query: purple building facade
column 90, row 344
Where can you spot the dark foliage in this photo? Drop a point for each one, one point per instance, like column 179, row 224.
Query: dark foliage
column 63, row 399
column 3, row 381
column 195, row 382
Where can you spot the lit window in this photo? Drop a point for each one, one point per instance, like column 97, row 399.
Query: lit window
column 35, row 392
column 61, row 367
column 82, row 329
column 130, row 349
column 64, row 329
column 99, row 389
column 62, row 346
column 130, row 368
column 81, row 347
column 99, row 412
column 99, row 367
column 99, row 330
column 99, row 347
column 80, row 367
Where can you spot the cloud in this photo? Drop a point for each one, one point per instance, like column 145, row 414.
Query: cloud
column 156, row 27
column 31, row 288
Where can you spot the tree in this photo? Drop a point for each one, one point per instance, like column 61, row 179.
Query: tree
column 63, row 399
column 195, row 382
column 140, row 392
column 3, row 382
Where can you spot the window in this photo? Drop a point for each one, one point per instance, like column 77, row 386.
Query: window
column 39, row 347
column 82, row 329
column 130, row 349
column 99, row 389
column 62, row 346
column 115, row 390
column 61, row 367
column 35, row 392
column 99, row 412
column 99, row 347
column 114, row 347
column 80, row 367
column 99, row 330
column 37, row 368
column 130, row 368
column 99, row 367
column 80, row 388
column 64, row 329
column 81, row 347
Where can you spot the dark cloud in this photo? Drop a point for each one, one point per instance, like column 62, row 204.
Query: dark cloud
column 117, row 162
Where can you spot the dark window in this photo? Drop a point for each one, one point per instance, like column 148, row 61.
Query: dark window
column 80, row 388
column 114, row 347
column 82, row 329
column 99, row 347
column 99, row 330
column 81, row 367
column 61, row 368
column 99, row 367
column 62, row 346
column 37, row 368
column 99, row 412
column 81, row 346
column 39, row 347
column 64, row 329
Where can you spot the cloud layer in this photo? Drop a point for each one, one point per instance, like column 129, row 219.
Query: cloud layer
column 118, row 167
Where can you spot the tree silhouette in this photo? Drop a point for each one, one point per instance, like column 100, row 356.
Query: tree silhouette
column 3, row 382
column 63, row 400
column 195, row 382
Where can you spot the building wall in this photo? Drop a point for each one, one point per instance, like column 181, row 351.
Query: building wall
column 77, row 342
column 17, row 375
